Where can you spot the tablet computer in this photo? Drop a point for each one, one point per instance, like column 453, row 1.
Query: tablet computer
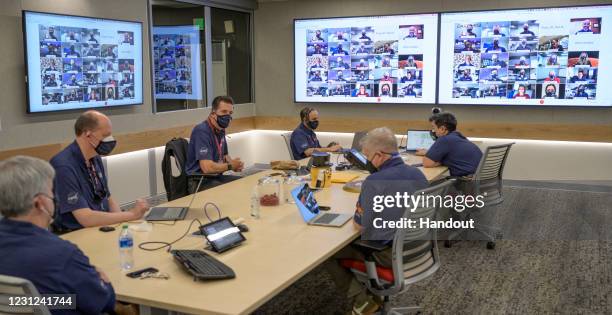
column 222, row 234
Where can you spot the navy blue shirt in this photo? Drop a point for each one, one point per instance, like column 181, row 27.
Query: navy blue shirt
column 393, row 177
column 205, row 144
column 77, row 187
column 54, row 266
column 302, row 139
column 456, row 152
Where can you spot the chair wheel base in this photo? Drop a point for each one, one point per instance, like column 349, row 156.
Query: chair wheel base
column 490, row 245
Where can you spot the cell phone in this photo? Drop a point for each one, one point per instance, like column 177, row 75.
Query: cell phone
column 138, row 273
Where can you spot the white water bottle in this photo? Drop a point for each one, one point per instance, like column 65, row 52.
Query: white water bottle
column 126, row 248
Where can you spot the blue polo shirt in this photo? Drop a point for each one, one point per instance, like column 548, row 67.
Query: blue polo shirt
column 76, row 187
column 205, row 144
column 54, row 266
column 456, row 152
column 393, row 177
column 302, row 139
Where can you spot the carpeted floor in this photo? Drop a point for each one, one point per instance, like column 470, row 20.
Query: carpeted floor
column 556, row 259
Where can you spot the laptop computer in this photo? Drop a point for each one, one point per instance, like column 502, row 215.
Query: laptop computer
column 171, row 213
column 309, row 209
column 356, row 142
column 418, row 139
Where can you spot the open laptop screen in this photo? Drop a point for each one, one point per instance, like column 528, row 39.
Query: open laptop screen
column 305, row 201
column 418, row 139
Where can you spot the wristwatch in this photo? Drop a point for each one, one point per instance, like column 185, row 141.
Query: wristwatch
column 229, row 166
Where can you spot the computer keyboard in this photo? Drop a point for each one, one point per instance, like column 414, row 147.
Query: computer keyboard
column 326, row 218
column 203, row 266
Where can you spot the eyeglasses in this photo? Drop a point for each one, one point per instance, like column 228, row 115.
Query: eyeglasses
column 54, row 199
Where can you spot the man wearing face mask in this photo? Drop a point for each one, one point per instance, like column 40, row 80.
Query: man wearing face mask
column 81, row 185
column 303, row 138
column 389, row 176
column 30, row 251
column 451, row 148
column 207, row 152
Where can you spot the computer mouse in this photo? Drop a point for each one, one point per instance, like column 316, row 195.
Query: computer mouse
column 243, row 228
column 107, row 229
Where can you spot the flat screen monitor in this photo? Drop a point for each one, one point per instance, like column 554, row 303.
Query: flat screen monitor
column 78, row 62
column 372, row 59
column 176, row 57
column 549, row 56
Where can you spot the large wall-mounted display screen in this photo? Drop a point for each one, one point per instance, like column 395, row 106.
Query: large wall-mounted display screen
column 551, row 56
column 375, row 59
column 176, row 56
column 80, row 62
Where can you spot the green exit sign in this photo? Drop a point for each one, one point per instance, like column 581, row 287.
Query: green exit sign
column 199, row 22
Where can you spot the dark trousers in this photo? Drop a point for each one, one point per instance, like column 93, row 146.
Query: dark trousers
column 208, row 181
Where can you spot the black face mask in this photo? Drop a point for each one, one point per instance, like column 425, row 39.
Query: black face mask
column 313, row 124
column 224, row 120
column 106, row 146
column 433, row 134
column 370, row 167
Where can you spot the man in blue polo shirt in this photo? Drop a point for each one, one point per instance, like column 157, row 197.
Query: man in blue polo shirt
column 303, row 138
column 207, row 153
column 30, row 251
column 451, row 148
column 389, row 176
column 81, row 185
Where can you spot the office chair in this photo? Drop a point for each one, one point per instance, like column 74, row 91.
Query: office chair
column 13, row 286
column 414, row 255
column 487, row 181
column 287, row 137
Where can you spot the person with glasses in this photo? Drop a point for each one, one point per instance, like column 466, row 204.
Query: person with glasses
column 30, row 251
column 81, row 183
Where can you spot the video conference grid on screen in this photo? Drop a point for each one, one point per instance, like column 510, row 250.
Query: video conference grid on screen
column 76, row 62
column 367, row 59
column 539, row 56
column 176, row 60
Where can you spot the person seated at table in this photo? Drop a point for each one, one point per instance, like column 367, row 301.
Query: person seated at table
column 303, row 138
column 30, row 251
column 207, row 152
column 389, row 175
column 81, row 185
column 451, row 148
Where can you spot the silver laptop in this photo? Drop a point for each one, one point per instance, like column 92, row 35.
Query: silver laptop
column 356, row 142
column 418, row 139
column 171, row 213
column 310, row 211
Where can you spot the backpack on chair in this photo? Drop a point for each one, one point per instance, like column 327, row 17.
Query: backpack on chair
column 173, row 168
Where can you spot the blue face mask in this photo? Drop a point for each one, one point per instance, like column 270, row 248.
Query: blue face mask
column 224, row 120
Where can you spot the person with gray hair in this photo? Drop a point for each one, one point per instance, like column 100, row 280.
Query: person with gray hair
column 30, row 251
column 389, row 176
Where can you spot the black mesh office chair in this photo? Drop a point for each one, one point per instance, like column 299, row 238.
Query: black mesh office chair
column 487, row 181
column 414, row 255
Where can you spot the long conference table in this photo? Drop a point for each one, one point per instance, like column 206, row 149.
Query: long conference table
column 280, row 248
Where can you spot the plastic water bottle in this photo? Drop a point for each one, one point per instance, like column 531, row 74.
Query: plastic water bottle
column 126, row 248
column 255, row 204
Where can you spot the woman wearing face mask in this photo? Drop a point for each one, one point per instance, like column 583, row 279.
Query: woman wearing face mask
column 303, row 138
column 207, row 152
column 84, row 198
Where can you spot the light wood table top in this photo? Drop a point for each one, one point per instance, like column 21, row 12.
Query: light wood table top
column 280, row 248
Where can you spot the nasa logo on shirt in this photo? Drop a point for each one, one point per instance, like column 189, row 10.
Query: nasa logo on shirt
column 203, row 150
column 73, row 197
column 305, row 145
